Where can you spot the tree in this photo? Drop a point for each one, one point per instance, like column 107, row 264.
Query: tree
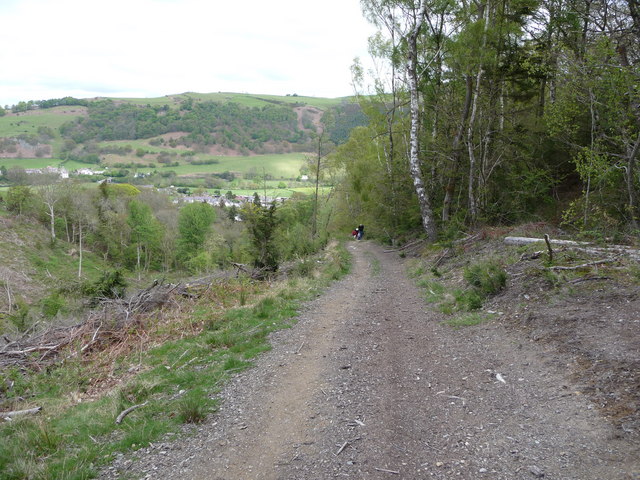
column 597, row 114
column 261, row 224
column 51, row 194
column 83, row 216
column 17, row 198
column 417, row 15
column 146, row 233
column 317, row 166
column 194, row 224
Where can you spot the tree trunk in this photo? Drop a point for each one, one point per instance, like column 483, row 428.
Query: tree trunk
column 428, row 222
column 52, row 216
column 631, row 188
column 80, row 252
column 456, row 153
column 473, row 203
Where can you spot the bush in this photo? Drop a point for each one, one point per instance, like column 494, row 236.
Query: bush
column 52, row 304
column 20, row 317
column 488, row 278
column 109, row 285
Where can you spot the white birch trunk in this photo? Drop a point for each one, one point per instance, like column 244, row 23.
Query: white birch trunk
column 428, row 222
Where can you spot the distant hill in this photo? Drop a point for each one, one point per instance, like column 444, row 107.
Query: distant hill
column 87, row 130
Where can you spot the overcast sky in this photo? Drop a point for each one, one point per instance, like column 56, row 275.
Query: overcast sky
column 149, row 48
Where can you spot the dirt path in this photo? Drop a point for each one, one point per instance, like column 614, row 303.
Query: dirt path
column 369, row 385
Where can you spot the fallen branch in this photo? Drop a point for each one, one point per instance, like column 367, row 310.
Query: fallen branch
column 31, row 349
column 406, row 246
column 395, row 472
column 126, row 412
column 17, row 413
column 441, row 258
column 586, row 279
column 241, row 267
column 93, row 339
column 585, row 265
column 344, row 445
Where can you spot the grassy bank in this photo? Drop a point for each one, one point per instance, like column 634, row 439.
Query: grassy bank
column 168, row 365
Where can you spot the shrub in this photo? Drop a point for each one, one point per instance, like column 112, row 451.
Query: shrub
column 109, row 285
column 52, row 304
column 487, row 277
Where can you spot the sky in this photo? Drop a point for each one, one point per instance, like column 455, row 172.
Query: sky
column 150, row 48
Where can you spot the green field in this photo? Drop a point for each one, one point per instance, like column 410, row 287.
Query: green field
column 249, row 100
column 28, row 122
column 43, row 162
column 279, row 166
column 275, row 192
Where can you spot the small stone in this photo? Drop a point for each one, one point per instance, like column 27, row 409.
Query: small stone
column 482, row 470
column 536, row 471
column 439, row 464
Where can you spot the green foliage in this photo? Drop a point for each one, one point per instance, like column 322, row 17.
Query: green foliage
column 261, row 224
column 194, row 225
column 177, row 379
column 52, row 304
column 207, row 122
column 304, row 267
column 18, row 197
column 434, row 290
column 590, row 219
column 111, row 284
column 20, row 316
column 146, row 235
column 118, row 190
column 487, row 277
column 484, row 278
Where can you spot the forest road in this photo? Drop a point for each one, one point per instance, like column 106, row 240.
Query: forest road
column 369, row 384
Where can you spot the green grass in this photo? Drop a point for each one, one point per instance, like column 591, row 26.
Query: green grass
column 273, row 192
column 285, row 165
column 177, row 383
column 28, row 122
column 248, row 100
column 483, row 279
column 43, row 162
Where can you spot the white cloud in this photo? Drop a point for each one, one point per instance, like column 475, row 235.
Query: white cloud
column 157, row 47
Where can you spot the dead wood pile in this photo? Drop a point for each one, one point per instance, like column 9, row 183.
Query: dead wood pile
column 101, row 324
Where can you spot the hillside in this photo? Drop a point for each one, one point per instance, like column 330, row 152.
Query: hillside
column 207, row 124
column 34, row 274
